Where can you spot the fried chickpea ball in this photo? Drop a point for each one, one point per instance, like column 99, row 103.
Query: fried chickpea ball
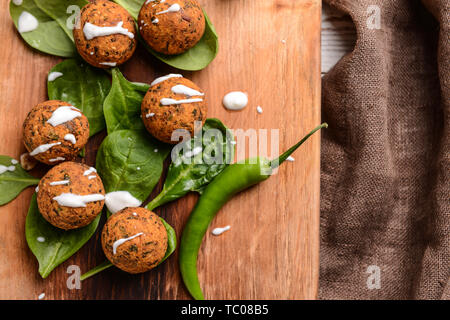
column 70, row 195
column 173, row 26
column 105, row 35
column 163, row 113
column 134, row 240
column 55, row 131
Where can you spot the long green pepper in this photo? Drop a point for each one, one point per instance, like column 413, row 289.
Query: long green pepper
column 234, row 179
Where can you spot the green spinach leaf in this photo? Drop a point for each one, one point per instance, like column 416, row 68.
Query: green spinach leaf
column 171, row 246
column 84, row 87
column 131, row 161
column 50, row 245
column 63, row 12
column 184, row 176
column 122, row 106
column 13, row 182
column 197, row 58
column 50, row 36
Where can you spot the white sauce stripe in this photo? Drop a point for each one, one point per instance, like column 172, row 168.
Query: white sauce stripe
column 27, row 22
column 70, row 137
column 219, row 231
column 119, row 242
column 173, row 8
column 54, row 75
column 168, row 101
column 3, row 168
column 59, row 183
column 181, row 89
column 89, row 171
column 92, row 31
column 110, row 64
column 151, row 114
column 77, row 201
column 57, row 159
column 164, row 78
column 92, row 177
column 43, row 148
column 63, row 115
column 118, row 200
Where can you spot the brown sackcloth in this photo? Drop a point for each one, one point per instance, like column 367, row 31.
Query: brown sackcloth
column 385, row 178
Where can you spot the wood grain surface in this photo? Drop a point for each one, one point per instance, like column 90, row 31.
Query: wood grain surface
column 272, row 249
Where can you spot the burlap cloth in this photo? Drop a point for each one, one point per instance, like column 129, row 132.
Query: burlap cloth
column 385, row 199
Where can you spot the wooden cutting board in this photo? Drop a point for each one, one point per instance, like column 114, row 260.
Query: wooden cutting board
column 269, row 49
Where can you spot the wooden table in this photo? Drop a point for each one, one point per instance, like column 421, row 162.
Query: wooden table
column 269, row 49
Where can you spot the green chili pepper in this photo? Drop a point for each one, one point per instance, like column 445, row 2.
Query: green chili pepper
column 234, row 179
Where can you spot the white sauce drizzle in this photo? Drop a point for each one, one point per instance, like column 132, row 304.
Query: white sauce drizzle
column 110, row 64
column 194, row 152
column 92, row 177
column 92, row 31
column 77, row 201
column 43, row 148
column 173, row 8
column 235, row 100
column 54, row 75
column 40, row 239
column 59, row 183
column 168, row 101
column 164, row 78
column 151, row 114
column 57, row 159
column 63, row 114
column 18, row 2
column 27, row 22
column 155, row 21
column 89, row 171
column 70, row 137
column 219, row 231
column 3, row 168
column 181, row 89
column 119, row 242
column 118, row 200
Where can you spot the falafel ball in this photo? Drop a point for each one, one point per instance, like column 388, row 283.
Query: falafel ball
column 55, row 131
column 175, row 103
column 70, row 196
column 172, row 26
column 105, row 35
column 134, row 240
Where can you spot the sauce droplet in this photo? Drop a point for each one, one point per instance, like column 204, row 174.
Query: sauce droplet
column 235, row 100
